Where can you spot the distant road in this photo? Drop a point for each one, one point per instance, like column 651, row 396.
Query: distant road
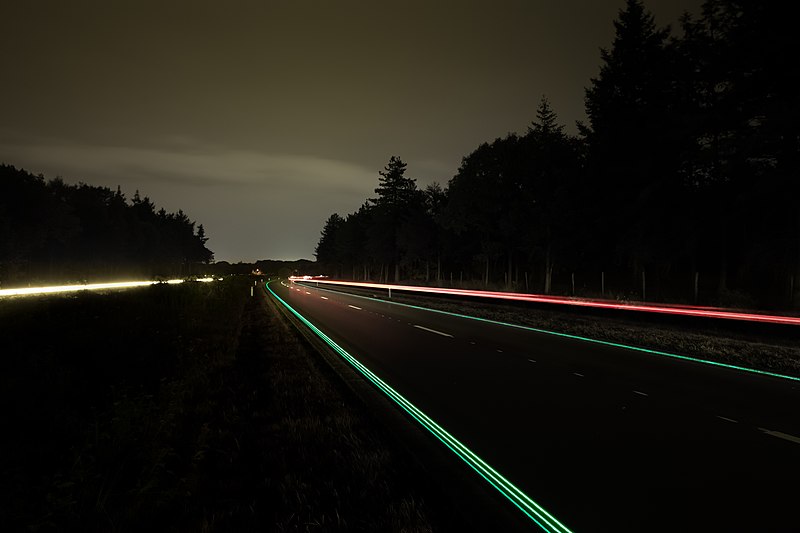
column 604, row 438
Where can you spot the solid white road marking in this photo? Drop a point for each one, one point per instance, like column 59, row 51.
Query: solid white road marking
column 638, row 392
column 781, row 435
column 433, row 331
column 728, row 419
column 354, row 307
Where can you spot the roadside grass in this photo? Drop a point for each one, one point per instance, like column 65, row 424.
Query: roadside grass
column 190, row 408
column 98, row 389
column 299, row 454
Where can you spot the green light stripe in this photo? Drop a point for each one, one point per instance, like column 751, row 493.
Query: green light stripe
column 578, row 337
column 521, row 500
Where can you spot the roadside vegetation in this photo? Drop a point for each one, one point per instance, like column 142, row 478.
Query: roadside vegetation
column 52, row 232
column 679, row 187
column 190, row 408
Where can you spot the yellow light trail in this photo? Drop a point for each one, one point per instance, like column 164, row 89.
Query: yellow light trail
column 30, row 291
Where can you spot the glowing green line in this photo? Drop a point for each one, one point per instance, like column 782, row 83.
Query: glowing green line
column 521, row 500
column 578, row 337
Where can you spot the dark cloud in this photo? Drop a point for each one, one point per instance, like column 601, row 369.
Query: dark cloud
column 256, row 115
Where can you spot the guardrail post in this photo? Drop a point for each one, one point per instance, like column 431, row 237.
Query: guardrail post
column 644, row 293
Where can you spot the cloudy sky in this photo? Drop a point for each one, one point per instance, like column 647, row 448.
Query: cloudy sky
column 261, row 118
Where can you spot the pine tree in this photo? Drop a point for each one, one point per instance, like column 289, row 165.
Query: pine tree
column 744, row 116
column 396, row 195
column 201, row 234
column 552, row 167
column 394, row 190
column 325, row 251
column 546, row 122
column 632, row 143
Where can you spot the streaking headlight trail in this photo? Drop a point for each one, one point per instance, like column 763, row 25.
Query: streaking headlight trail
column 28, row 291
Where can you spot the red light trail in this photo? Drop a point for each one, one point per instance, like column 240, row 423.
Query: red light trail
column 705, row 312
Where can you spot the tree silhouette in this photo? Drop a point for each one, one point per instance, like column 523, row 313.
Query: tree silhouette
column 396, row 194
column 686, row 169
column 485, row 205
column 552, row 170
column 326, row 250
column 632, row 144
column 51, row 231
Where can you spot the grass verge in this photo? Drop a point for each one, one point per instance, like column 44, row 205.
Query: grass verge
column 192, row 408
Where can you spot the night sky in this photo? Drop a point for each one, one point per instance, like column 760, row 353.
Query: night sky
column 260, row 119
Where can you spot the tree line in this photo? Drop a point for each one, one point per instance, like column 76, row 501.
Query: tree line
column 681, row 186
column 52, row 231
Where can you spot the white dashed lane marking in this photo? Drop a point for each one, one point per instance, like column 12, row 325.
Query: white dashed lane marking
column 443, row 334
column 781, row 435
column 354, row 307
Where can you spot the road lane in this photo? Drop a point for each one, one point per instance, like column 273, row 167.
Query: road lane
column 604, row 438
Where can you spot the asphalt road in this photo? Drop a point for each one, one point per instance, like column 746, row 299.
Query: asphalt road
column 604, row 438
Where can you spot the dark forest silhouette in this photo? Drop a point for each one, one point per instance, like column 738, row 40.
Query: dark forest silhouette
column 682, row 186
column 52, row 231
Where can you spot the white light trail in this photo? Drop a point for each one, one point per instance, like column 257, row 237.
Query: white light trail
column 30, row 291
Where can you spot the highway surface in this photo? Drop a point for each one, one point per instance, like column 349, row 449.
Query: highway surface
column 603, row 438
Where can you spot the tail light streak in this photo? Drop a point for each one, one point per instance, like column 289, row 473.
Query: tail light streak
column 703, row 312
